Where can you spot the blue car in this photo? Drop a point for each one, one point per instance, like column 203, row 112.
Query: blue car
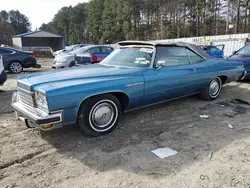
column 136, row 75
column 243, row 55
column 214, row 51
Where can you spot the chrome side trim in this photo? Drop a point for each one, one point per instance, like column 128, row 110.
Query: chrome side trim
column 135, row 84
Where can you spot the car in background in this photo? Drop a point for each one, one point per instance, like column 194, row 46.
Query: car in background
column 15, row 60
column 3, row 76
column 137, row 75
column 94, row 53
column 68, row 49
column 214, row 51
column 243, row 55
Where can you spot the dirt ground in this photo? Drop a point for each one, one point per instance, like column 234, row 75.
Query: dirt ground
column 210, row 154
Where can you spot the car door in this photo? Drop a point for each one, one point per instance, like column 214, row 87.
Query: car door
column 177, row 79
column 215, row 52
column 95, row 53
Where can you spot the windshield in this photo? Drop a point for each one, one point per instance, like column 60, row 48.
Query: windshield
column 79, row 51
column 244, row 51
column 131, row 57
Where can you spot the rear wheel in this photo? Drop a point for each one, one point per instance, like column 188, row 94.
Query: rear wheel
column 213, row 90
column 99, row 115
column 15, row 67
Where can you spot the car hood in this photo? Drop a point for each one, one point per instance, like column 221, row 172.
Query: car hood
column 75, row 75
column 62, row 56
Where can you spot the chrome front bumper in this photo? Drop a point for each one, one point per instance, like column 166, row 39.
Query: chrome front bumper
column 35, row 115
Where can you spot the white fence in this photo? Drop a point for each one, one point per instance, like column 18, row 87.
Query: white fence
column 232, row 42
column 42, row 50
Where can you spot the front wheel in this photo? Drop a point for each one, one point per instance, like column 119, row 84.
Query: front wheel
column 72, row 64
column 99, row 115
column 15, row 67
column 213, row 90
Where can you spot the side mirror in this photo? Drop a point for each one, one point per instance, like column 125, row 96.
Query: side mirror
column 160, row 64
column 234, row 52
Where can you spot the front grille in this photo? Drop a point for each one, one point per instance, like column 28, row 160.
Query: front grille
column 27, row 98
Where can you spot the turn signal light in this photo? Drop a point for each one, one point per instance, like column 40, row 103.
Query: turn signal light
column 47, row 126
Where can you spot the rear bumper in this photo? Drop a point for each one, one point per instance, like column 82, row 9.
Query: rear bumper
column 3, row 77
column 29, row 62
column 35, row 115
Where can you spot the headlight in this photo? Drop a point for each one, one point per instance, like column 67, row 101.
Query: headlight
column 41, row 99
column 62, row 60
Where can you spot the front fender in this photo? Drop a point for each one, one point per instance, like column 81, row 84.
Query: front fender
column 70, row 97
column 70, row 94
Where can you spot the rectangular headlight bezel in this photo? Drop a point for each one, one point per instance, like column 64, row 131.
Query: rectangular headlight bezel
column 41, row 100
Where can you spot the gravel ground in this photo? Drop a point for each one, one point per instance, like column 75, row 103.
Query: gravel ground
column 210, row 154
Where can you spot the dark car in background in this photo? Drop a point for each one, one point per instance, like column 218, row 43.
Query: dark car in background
column 214, row 51
column 3, row 76
column 243, row 55
column 15, row 60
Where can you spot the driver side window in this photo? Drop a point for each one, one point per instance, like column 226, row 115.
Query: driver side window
column 174, row 56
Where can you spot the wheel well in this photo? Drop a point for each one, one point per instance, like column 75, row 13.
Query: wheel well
column 223, row 79
column 15, row 61
column 72, row 63
column 122, row 98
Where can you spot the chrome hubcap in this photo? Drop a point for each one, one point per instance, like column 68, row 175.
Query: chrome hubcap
column 214, row 88
column 16, row 67
column 102, row 115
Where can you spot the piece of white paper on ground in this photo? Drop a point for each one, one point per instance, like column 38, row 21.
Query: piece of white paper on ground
column 204, row 116
column 164, row 152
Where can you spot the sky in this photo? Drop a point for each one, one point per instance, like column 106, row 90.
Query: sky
column 38, row 11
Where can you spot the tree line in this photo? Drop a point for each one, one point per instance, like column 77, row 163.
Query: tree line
column 109, row 21
column 12, row 23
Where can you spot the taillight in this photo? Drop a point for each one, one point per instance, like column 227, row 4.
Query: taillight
column 93, row 58
column 32, row 56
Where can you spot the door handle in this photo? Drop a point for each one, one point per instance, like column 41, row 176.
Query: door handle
column 193, row 70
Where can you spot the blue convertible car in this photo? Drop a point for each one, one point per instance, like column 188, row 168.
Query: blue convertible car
column 136, row 75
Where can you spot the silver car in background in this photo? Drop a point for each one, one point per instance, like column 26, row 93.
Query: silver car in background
column 67, row 60
column 68, row 49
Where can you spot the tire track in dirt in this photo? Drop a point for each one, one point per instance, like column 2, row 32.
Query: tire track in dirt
column 25, row 158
